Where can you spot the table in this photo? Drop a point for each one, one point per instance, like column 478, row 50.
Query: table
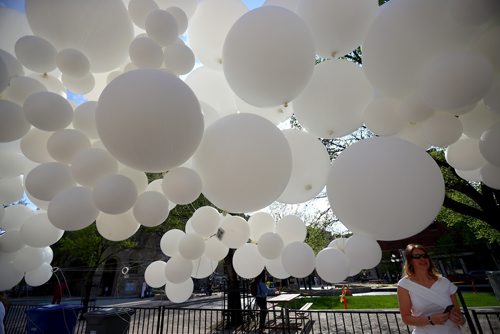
column 281, row 298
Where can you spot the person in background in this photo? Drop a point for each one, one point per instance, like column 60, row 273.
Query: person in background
column 261, row 298
column 426, row 299
column 3, row 311
column 59, row 288
column 143, row 289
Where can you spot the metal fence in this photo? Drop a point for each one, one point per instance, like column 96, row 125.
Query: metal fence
column 159, row 320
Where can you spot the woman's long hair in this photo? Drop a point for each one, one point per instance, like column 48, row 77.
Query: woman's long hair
column 409, row 270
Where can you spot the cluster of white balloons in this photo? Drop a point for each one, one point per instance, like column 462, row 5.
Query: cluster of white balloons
column 429, row 76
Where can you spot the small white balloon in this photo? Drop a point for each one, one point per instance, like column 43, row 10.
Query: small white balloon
column 139, row 11
column 464, row 154
column 180, row 17
column 84, row 119
column 181, row 292
column 48, row 111
column 20, row 88
column 162, row 27
column 381, row 116
column 260, row 223
column 145, row 52
column 36, row 53
column 182, row 185
column 247, row 261
column 338, row 243
column 291, row 228
column 81, row 85
column 64, row 145
column 191, row 246
column 48, row 179
column 235, row 231
column 72, row 209
column 39, row 276
column 114, row 194
column 270, row 245
column 205, row 221
column 73, row 62
column 28, row 258
column 275, row 268
column 215, row 249
column 92, row 163
column 478, row 120
column 139, row 178
column 332, row 265
column 169, row 243
column 9, row 275
column 442, row 129
column 11, row 189
column 154, row 275
column 151, row 208
column 117, row 227
column 11, row 242
column 488, row 144
column 15, row 216
column 298, row 259
column 490, row 175
column 363, row 250
column 37, row 231
column 203, row 267
column 14, row 124
column 178, row 269
column 470, row 175
column 178, row 58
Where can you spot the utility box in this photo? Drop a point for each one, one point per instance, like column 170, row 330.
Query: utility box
column 108, row 320
column 53, row 319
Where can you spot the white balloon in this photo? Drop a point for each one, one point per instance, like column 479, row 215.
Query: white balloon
column 145, row 52
column 21, row 87
column 363, row 250
column 139, row 178
column 211, row 87
column 178, row 58
column 102, row 30
column 490, row 175
column 253, row 57
column 179, row 293
column 478, row 120
column 442, row 129
column 81, row 85
column 291, row 228
column 247, row 261
column 191, row 246
column 338, row 243
column 226, row 173
column 381, row 116
column 48, row 255
column 413, row 133
column 288, row 4
column 180, row 17
column 28, row 258
column 455, row 79
column 37, row 231
column 492, row 97
column 92, row 163
column 72, row 209
column 332, row 265
column 298, row 259
column 236, row 231
column 64, row 144
column 84, row 119
column 14, row 217
column 114, row 194
column 4, row 75
column 151, row 208
column 50, row 82
column 260, row 223
column 215, row 249
column 11, row 189
column 276, row 269
column 203, row 267
column 13, row 25
column 162, row 27
column 412, row 109
column 13, row 66
column 48, row 111
column 464, row 154
column 310, row 167
column 275, row 115
column 169, row 243
column 328, row 20
column 182, row 185
column 469, row 13
column 209, row 26
column 178, row 269
column 73, row 62
column 205, row 221
column 188, row 6
column 117, row 227
column 488, row 144
column 470, row 175
column 11, row 242
column 332, row 103
column 270, row 245
column 48, row 179
column 400, row 174
column 14, row 124
column 36, row 53
column 39, row 276
column 9, row 276
column 170, row 115
column 139, row 10
column 154, row 275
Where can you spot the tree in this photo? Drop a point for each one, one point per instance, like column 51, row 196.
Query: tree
column 92, row 250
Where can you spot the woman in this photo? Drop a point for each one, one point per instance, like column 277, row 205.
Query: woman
column 423, row 295
column 261, row 298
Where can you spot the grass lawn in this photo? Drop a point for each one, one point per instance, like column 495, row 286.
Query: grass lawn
column 480, row 299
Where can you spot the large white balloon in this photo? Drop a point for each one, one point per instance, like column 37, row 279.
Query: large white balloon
column 291, row 228
column 155, row 274
column 455, row 79
column 117, row 227
column 247, row 261
column 209, row 26
column 270, row 245
column 36, row 54
column 48, row 179
column 332, row 103
column 227, row 173
column 169, row 243
column 102, row 30
column 114, row 194
column 64, row 144
column 328, row 21
column 253, row 56
column 363, row 250
column 39, row 276
column 92, row 163
column 37, row 231
column 205, row 221
column 489, row 144
column 395, row 179
column 178, row 269
column 235, row 231
column 332, row 265
column 182, row 185
column 181, row 292
column 191, row 246
column 14, row 124
column 310, row 167
column 298, row 259
column 72, row 209
column 464, row 154
column 260, row 223
column 48, row 111
column 151, row 208
column 135, row 127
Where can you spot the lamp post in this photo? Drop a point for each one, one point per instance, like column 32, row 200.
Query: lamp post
column 397, row 262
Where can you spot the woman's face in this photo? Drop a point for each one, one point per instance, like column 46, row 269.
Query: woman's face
column 420, row 259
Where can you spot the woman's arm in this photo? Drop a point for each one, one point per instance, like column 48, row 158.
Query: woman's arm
column 456, row 314
column 405, row 310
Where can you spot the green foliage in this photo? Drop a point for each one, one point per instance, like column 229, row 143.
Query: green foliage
column 317, row 237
